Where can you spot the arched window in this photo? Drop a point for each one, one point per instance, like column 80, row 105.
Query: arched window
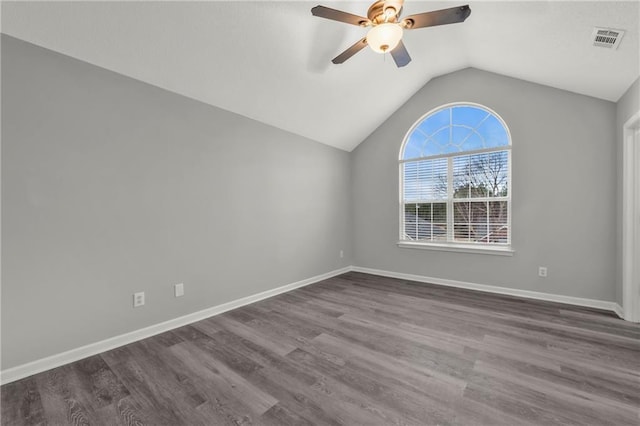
column 455, row 180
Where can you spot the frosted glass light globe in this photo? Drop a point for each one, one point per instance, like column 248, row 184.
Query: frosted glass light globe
column 384, row 37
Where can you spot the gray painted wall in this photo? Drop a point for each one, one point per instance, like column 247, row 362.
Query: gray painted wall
column 564, row 189
column 112, row 186
column 627, row 105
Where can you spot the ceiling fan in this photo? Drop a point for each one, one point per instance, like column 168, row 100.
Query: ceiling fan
column 386, row 27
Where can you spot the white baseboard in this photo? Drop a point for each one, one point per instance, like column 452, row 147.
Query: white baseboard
column 591, row 303
column 618, row 310
column 38, row 366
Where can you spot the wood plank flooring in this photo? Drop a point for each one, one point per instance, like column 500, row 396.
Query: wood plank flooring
column 356, row 350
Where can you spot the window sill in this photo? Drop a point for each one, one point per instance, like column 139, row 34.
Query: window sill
column 461, row 248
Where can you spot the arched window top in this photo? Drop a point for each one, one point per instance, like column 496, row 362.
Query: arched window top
column 453, row 129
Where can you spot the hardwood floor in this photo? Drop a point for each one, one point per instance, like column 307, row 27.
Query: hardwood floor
column 356, row 350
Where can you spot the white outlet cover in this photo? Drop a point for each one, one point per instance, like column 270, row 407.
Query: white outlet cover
column 179, row 289
column 138, row 299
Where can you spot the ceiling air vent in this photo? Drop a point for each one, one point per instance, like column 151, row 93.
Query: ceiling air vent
column 606, row 37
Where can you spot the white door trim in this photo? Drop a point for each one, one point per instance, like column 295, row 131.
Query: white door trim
column 631, row 219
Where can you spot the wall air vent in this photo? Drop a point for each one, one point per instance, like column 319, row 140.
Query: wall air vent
column 606, row 37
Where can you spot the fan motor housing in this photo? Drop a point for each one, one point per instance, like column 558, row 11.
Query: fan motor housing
column 377, row 11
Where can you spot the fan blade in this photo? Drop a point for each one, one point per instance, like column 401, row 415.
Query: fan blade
column 357, row 46
column 437, row 17
column 338, row 15
column 400, row 55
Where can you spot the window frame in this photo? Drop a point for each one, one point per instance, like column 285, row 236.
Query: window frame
column 503, row 249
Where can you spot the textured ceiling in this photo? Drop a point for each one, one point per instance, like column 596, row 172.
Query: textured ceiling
column 270, row 61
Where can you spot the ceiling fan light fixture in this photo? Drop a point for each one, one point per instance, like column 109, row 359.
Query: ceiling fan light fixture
column 386, row 27
column 384, row 37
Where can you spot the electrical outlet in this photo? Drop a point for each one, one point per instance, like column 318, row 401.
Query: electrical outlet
column 138, row 299
column 179, row 289
column 341, row 254
column 542, row 271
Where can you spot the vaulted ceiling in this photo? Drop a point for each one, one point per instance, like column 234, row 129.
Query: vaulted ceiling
column 270, row 61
